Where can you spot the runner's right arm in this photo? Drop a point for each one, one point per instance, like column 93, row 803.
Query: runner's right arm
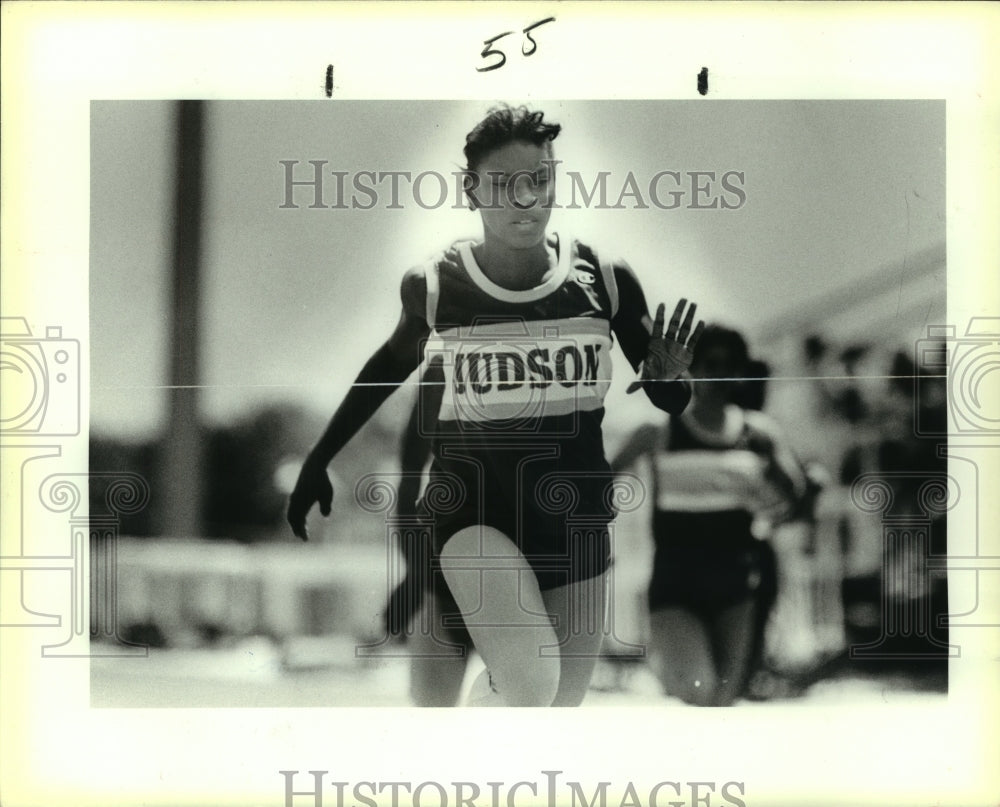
column 382, row 374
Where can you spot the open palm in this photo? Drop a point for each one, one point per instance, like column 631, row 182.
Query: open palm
column 670, row 353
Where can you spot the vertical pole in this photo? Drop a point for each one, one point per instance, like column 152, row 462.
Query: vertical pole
column 181, row 488
column 906, row 629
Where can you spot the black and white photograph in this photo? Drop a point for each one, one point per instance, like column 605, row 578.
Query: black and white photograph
column 338, row 409
column 307, row 259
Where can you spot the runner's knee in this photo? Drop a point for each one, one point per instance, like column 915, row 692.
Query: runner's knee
column 528, row 682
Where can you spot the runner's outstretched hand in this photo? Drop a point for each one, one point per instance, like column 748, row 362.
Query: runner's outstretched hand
column 669, row 354
column 313, row 486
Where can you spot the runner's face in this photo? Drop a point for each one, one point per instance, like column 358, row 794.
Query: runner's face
column 515, row 193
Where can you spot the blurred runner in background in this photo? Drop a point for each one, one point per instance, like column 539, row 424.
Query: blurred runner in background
column 722, row 478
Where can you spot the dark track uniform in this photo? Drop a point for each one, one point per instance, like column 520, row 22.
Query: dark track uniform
column 708, row 490
column 517, row 442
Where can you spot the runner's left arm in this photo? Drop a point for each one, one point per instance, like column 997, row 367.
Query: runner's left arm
column 662, row 358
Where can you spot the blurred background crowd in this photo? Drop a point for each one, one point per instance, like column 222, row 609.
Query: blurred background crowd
column 841, row 584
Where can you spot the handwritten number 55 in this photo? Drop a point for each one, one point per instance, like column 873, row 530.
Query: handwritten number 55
column 489, row 50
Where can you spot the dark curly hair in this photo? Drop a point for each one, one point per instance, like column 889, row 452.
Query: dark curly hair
column 731, row 341
column 505, row 124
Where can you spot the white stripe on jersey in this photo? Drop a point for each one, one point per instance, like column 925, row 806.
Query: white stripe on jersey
column 523, row 369
column 553, row 282
column 709, row 481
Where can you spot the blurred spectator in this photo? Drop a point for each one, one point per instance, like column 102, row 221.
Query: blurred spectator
column 885, row 441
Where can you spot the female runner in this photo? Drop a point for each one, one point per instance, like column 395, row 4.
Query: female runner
column 722, row 476
column 520, row 324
